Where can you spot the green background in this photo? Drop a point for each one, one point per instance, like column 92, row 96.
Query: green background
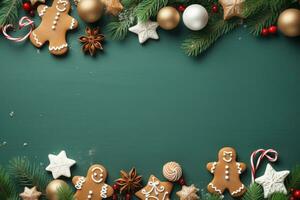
column 143, row 105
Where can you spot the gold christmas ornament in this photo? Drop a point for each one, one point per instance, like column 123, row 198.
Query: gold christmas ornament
column 289, row 22
column 113, row 7
column 168, row 18
column 232, row 8
column 90, row 10
column 52, row 188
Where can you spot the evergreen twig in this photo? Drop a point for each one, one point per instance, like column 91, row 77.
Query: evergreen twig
column 9, row 11
column 149, row 8
column 201, row 41
column 65, row 193
column 28, row 174
column 7, row 188
column 254, row 192
column 279, row 196
column 293, row 180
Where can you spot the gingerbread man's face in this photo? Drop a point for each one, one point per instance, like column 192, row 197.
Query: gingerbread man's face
column 97, row 174
column 62, row 6
column 227, row 154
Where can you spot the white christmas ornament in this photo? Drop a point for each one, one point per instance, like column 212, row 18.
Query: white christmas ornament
column 145, row 30
column 195, row 17
column 272, row 181
column 60, row 165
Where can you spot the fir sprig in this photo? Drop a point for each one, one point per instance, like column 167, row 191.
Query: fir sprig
column 7, row 188
column 28, row 174
column 293, row 180
column 254, row 192
column 279, row 196
column 201, row 41
column 9, row 11
column 149, row 8
column 65, row 193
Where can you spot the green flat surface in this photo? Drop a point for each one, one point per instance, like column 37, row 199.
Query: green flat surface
column 144, row 105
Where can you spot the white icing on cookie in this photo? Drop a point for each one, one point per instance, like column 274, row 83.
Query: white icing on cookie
column 239, row 168
column 80, row 183
column 156, row 189
column 43, row 11
column 72, row 24
column 215, row 188
column 103, row 192
column 57, row 48
column 36, row 38
column 238, row 190
column 213, row 168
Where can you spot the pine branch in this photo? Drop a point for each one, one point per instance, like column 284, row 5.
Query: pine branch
column 201, row 41
column 279, row 196
column 9, row 11
column 149, row 8
column 209, row 196
column 28, row 174
column 7, row 188
column 65, row 193
column 254, row 192
column 293, row 180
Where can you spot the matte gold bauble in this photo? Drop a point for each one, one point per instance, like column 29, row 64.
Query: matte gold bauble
column 289, row 22
column 52, row 188
column 168, row 18
column 90, row 10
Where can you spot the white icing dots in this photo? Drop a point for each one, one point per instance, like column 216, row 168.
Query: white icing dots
column 226, row 167
column 227, row 178
column 103, row 192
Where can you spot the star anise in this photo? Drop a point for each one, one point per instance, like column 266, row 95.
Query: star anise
column 91, row 41
column 129, row 182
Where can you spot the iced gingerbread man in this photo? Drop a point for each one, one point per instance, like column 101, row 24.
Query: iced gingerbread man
column 226, row 174
column 93, row 186
column 54, row 26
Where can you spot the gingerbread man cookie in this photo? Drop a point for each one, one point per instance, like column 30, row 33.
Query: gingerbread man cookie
column 155, row 189
column 54, row 26
column 93, row 186
column 226, row 174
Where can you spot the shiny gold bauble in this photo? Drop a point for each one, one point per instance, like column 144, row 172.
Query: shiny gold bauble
column 52, row 188
column 90, row 10
column 289, row 22
column 168, row 18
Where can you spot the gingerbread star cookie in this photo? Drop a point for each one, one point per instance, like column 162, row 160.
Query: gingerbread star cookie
column 30, row 194
column 232, row 8
column 155, row 189
column 93, row 186
column 226, row 173
column 54, row 26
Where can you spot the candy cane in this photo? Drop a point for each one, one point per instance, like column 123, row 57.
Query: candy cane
column 24, row 21
column 270, row 154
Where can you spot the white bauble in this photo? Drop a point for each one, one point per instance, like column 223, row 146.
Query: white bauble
column 195, row 17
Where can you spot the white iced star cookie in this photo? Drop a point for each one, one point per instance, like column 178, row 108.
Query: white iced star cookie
column 188, row 193
column 272, row 181
column 60, row 165
column 145, row 30
column 30, row 194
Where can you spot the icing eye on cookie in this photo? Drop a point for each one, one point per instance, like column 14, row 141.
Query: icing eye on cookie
column 227, row 156
column 97, row 174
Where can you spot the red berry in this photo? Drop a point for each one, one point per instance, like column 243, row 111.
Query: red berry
column 264, row 32
column 272, row 29
column 181, row 181
column 27, row 6
column 115, row 196
column 296, row 194
column 181, row 8
column 128, row 196
column 31, row 13
column 115, row 187
column 214, row 8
